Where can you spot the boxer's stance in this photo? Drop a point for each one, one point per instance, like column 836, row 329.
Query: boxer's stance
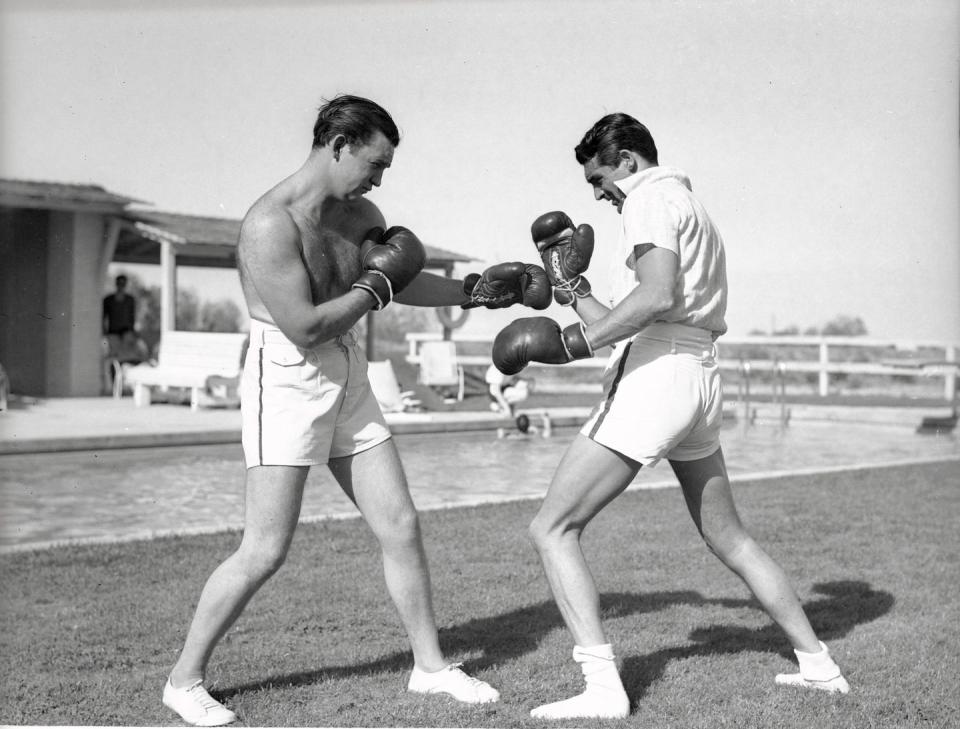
column 663, row 398
column 313, row 259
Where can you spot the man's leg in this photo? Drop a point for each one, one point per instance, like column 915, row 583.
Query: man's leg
column 272, row 507
column 374, row 480
column 588, row 478
column 706, row 489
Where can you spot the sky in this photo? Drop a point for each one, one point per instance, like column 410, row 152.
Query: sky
column 822, row 136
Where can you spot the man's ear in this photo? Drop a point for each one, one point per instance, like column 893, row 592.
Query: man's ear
column 339, row 142
column 628, row 161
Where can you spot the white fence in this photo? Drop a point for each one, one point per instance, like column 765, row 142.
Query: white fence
column 905, row 361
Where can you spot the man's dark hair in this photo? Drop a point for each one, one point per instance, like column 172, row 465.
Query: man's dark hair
column 356, row 118
column 611, row 134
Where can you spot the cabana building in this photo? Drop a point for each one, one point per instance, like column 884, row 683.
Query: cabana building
column 56, row 242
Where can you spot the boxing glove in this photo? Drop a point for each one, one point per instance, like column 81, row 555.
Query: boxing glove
column 506, row 284
column 566, row 253
column 391, row 260
column 538, row 339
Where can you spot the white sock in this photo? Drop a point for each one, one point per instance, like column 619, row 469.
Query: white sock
column 817, row 666
column 603, row 697
column 817, row 670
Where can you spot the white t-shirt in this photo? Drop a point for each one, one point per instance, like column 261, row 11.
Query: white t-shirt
column 661, row 210
column 496, row 377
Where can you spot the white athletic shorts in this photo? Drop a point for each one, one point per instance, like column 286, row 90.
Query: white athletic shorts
column 303, row 407
column 662, row 396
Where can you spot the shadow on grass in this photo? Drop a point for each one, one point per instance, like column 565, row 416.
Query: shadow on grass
column 501, row 638
column 845, row 605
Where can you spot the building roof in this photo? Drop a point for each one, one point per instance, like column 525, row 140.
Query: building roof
column 206, row 241
column 191, row 228
column 199, row 240
column 60, row 196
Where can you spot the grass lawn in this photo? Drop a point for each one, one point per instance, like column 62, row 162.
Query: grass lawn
column 89, row 633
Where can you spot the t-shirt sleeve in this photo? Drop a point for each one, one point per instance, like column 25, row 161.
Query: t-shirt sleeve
column 650, row 221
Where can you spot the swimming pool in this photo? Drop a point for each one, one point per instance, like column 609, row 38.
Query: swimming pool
column 138, row 493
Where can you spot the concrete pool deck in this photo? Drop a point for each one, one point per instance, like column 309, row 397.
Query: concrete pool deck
column 97, row 423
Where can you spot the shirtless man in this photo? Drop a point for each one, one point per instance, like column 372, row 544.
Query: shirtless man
column 313, row 259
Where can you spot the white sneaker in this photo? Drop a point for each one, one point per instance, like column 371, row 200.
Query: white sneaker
column 817, row 671
column 451, row 680
column 195, row 706
column 837, row 685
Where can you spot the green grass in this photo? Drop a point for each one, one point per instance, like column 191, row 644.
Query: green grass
column 89, row 633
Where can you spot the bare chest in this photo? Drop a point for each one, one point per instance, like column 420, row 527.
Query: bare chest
column 332, row 262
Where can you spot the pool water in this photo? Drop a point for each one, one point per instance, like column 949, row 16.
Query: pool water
column 136, row 493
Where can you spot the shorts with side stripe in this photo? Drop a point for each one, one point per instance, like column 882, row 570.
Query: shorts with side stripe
column 303, row 407
column 663, row 397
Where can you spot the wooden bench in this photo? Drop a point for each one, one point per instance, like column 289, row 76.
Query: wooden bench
column 187, row 359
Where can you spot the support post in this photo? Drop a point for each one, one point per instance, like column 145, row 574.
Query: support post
column 168, row 287
column 950, row 378
column 824, row 372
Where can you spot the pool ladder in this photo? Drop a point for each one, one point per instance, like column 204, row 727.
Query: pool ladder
column 779, row 395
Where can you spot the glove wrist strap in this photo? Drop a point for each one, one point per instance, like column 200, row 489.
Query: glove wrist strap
column 371, row 286
column 575, row 342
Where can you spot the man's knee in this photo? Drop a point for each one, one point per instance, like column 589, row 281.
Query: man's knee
column 727, row 543
column 546, row 530
column 400, row 527
column 261, row 558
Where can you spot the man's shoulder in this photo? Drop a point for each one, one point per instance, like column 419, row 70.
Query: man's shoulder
column 364, row 212
column 268, row 219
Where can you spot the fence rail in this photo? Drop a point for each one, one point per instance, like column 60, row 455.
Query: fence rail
column 943, row 363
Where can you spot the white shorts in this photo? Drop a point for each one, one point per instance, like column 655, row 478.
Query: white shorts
column 303, row 407
column 663, row 397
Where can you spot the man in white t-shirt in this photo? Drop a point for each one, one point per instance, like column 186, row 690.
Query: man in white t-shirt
column 505, row 390
column 662, row 398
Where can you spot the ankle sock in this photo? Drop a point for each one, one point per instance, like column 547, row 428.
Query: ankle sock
column 604, row 695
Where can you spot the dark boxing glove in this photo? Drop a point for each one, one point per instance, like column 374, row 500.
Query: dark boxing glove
column 506, row 284
column 565, row 252
column 390, row 262
column 538, row 339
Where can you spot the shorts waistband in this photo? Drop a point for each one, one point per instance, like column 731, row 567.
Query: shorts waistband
column 262, row 333
column 679, row 338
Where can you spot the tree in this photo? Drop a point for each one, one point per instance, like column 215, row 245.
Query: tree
column 845, row 326
column 222, row 315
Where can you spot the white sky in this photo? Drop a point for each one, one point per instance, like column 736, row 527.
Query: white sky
column 821, row 135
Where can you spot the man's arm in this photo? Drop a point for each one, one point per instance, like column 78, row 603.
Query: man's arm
column 499, row 286
column 540, row 339
column 271, row 258
column 430, row 289
column 653, row 296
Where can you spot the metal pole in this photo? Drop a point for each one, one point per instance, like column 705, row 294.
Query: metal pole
column 745, row 381
column 371, row 336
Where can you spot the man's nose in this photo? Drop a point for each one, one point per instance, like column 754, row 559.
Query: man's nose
column 377, row 178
